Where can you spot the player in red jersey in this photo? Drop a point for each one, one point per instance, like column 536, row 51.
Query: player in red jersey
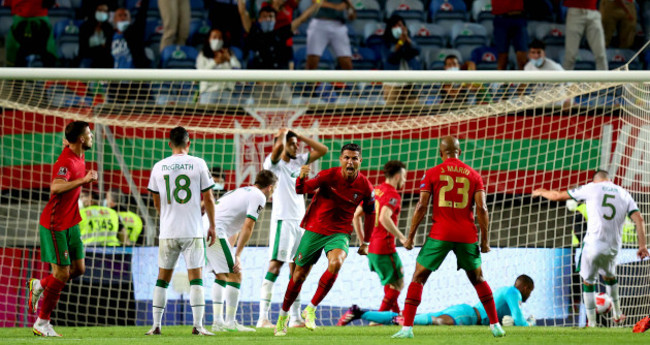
column 328, row 225
column 456, row 188
column 61, row 244
column 382, row 256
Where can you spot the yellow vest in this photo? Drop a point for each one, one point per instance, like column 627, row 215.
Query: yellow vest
column 629, row 229
column 133, row 224
column 99, row 226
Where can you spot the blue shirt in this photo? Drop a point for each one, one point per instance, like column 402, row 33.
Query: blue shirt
column 508, row 302
column 121, row 54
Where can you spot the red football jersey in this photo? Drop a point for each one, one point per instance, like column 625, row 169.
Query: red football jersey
column 507, row 6
column 382, row 241
column 453, row 185
column 584, row 4
column 62, row 210
column 332, row 208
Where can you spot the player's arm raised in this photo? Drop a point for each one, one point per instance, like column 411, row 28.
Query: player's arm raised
column 637, row 218
column 208, row 200
column 318, row 150
column 480, row 199
column 305, row 185
column 387, row 222
column 553, row 195
column 278, row 146
column 59, row 185
column 418, row 216
column 244, row 236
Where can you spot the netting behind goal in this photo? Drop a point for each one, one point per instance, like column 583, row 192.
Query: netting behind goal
column 519, row 136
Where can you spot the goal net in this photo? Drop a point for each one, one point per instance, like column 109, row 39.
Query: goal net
column 521, row 131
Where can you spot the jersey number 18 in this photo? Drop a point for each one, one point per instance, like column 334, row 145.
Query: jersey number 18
column 181, row 183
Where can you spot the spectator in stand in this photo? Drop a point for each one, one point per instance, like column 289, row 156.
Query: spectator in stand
column 127, row 47
column 175, row 15
column 215, row 55
column 537, row 60
column 582, row 18
column 95, row 37
column 399, row 53
column 283, row 16
column 619, row 15
column 464, row 93
column 31, row 33
column 328, row 29
column 224, row 15
column 510, row 30
column 265, row 41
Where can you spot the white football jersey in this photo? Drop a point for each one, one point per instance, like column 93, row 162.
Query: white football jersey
column 234, row 207
column 180, row 180
column 607, row 207
column 287, row 204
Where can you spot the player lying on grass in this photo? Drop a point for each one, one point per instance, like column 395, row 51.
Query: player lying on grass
column 507, row 300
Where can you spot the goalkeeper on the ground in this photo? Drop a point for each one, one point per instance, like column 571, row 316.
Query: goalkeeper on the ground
column 507, row 300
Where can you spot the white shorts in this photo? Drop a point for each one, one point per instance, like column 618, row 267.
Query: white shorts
column 284, row 239
column 595, row 260
column 322, row 33
column 220, row 256
column 193, row 250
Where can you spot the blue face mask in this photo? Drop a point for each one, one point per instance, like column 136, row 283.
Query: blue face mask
column 453, row 69
column 538, row 62
column 101, row 16
column 121, row 26
column 267, row 25
column 397, row 32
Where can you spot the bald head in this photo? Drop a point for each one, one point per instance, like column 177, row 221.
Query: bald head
column 601, row 175
column 449, row 147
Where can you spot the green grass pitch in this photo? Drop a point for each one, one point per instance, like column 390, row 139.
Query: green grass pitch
column 333, row 336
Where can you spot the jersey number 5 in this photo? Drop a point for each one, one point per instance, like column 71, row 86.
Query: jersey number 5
column 181, row 183
column 606, row 204
column 463, row 191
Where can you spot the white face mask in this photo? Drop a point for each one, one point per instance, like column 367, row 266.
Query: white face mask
column 538, row 62
column 218, row 186
column 453, row 69
column 121, row 26
column 397, row 32
column 216, row 44
column 101, row 16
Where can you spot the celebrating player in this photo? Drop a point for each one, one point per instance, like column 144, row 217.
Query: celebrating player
column 456, row 188
column 236, row 214
column 288, row 210
column 328, row 227
column 382, row 256
column 177, row 183
column 507, row 300
column 607, row 206
column 61, row 244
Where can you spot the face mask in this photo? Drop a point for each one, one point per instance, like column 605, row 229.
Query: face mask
column 453, row 69
column 121, row 26
column 218, row 186
column 268, row 25
column 216, row 44
column 538, row 62
column 101, row 16
column 397, row 32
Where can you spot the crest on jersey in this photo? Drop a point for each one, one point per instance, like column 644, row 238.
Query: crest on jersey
column 62, row 171
column 392, row 201
column 65, row 254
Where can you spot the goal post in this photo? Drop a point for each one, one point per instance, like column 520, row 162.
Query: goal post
column 519, row 130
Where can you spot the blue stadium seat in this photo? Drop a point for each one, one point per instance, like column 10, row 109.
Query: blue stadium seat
column 435, row 59
column 485, row 58
column 58, row 14
column 179, row 57
column 366, row 9
column 239, row 54
column 408, row 9
column 551, row 33
column 300, row 37
column 429, row 34
column 199, row 31
column 619, row 57
column 482, row 10
column 364, row 58
column 585, row 60
column 468, row 34
column 6, row 20
column 300, row 59
column 447, row 12
column 359, row 25
column 66, row 34
column 153, row 32
column 66, row 28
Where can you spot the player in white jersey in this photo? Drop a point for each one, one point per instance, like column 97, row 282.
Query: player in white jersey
column 177, row 183
column 288, row 211
column 235, row 215
column 607, row 206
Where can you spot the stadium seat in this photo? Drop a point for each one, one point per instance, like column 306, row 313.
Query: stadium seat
column 359, row 25
column 352, row 36
column 153, row 33
column 447, row 12
column 300, row 59
column 435, row 59
column 179, row 57
column 364, row 58
column 199, row 30
column 429, row 34
column 66, row 28
column 408, row 9
column 366, row 9
column 482, row 10
column 619, row 57
column 66, row 34
column 300, row 36
column 468, row 34
column 485, row 58
column 58, row 14
column 551, row 33
column 6, row 20
column 239, row 54
column 585, row 60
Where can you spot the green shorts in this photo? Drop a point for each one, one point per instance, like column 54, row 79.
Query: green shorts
column 433, row 253
column 61, row 247
column 311, row 245
column 387, row 266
